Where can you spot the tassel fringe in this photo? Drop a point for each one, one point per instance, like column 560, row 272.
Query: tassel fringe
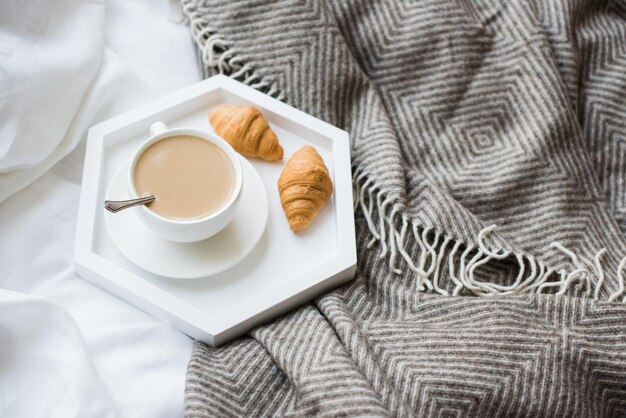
column 435, row 252
column 217, row 53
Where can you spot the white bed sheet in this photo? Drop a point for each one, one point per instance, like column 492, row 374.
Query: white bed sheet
column 66, row 347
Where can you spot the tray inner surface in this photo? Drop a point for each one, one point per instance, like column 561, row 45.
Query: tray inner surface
column 280, row 255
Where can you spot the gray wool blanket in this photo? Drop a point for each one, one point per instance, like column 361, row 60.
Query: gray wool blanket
column 489, row 162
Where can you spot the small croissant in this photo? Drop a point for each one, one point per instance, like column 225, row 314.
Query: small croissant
column 304, row 187
column 247, row 131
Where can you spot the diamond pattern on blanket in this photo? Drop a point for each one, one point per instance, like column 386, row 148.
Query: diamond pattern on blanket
column 462, row 114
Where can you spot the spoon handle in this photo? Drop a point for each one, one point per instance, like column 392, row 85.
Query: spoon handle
column 118, row 205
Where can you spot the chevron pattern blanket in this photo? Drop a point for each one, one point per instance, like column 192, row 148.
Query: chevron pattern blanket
column 464, row 115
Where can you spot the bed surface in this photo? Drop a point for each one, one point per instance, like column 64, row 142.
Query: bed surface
column 112, row 359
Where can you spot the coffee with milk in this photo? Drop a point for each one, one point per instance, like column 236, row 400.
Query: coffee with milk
column 190, row 177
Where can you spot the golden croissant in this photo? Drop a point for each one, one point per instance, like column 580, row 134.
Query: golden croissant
column 304, row 187
column 247, row 131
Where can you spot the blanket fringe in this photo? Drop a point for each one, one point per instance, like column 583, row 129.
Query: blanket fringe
column 217, row 53
column 393, row 231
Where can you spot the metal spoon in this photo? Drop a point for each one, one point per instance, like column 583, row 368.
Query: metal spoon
column 118, row 205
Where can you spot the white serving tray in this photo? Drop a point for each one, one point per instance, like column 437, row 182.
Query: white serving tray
column 284, row 271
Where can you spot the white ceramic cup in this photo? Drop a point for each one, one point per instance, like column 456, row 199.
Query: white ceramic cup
column 187, row 230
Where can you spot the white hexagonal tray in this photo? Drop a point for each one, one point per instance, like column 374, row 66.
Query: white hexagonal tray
column 284, row 271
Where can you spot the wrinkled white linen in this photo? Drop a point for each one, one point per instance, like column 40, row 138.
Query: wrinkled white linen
column 27, row 368
column 123, row 362
column 50, row 52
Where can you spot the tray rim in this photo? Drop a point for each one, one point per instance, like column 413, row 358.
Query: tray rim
column 171, row 309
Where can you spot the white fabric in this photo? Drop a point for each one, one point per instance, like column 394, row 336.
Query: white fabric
column 26, row 386
column 66, row 347
column 49, row 55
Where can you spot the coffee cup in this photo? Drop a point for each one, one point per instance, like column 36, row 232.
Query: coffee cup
column 196, row 177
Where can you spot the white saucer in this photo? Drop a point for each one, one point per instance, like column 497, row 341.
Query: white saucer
column 197, row 259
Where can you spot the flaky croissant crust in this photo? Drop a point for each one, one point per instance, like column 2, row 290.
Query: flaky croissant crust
column 247, row 131
column 304, row 187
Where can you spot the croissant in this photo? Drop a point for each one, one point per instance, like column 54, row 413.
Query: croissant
column 247, row 131
column 304, row 187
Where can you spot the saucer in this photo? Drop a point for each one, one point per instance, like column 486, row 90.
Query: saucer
column 196, row 259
